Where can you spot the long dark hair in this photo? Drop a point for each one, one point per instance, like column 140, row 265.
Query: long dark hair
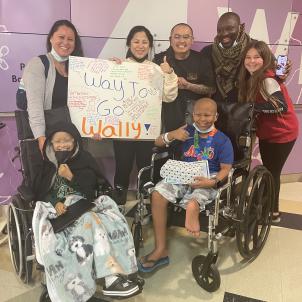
column 132, row 32
column 78, row 51
column 251, row 85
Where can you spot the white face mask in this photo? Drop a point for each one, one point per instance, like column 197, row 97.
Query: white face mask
column 203, row 131
column 58, row 57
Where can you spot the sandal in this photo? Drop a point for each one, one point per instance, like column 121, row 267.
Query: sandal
column 156, row 263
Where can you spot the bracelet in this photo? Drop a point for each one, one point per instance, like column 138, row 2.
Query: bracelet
column 166, row 140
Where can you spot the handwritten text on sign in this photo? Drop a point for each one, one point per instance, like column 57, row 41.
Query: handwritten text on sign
column 115, row 100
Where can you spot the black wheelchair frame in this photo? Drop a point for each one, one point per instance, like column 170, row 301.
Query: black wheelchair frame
column 243, row 206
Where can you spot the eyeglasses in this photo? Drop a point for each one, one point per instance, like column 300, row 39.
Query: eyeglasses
column 179, row 37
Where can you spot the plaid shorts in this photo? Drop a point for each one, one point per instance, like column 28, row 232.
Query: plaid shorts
column 185, row 193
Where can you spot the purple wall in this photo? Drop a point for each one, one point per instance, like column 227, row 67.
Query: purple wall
column 103, row 25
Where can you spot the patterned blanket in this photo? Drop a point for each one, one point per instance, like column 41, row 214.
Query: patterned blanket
column 97, row 245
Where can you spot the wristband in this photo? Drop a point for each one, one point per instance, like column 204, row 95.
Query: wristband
column 167, row 139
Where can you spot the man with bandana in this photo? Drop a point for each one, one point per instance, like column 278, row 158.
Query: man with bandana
column 226, row 56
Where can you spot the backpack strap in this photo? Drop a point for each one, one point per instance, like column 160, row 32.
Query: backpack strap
column 45, row 62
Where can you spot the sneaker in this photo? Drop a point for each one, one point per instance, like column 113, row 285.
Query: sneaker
column 119, row 195
column 276, row 218
column 121, row 287
column 136, row 279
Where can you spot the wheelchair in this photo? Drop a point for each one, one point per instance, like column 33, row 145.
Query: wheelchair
column 21, row 208
column 243, row 206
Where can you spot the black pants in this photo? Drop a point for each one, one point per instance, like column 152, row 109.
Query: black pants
column 274, row 156
column 125, row 153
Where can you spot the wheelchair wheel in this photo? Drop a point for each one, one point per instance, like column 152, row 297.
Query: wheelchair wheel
column 20, row 239
column 209, row 279
column 254, row 212
column 137, row 233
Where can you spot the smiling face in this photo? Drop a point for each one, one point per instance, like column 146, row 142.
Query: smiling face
column 62, row 141
column 63, row 41
column 227, row 31
column 140, row 45
column 253, row 61
column 205, row 113
column 181, row 40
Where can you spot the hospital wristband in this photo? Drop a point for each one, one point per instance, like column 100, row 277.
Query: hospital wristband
column 166, row 140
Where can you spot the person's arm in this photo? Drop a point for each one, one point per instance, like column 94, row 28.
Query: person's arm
column 34, row 83
column 170, row 90
column 167, row 138
column 196, row 88
column 275, row 101
column 203, row 182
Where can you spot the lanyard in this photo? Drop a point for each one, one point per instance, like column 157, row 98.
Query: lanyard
column 203, row 154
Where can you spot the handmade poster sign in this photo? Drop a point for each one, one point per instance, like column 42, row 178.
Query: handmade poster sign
column 115, row 100
column 181, row 172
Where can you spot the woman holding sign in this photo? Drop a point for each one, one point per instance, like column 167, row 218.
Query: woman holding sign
column 45, row 77
column 140, row 43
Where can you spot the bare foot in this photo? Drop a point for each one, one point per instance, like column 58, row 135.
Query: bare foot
column 192, row 218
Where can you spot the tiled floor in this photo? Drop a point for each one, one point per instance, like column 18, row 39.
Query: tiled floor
column 275, row 276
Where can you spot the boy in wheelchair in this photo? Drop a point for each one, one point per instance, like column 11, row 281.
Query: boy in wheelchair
column 88, row 243
column 200, row 141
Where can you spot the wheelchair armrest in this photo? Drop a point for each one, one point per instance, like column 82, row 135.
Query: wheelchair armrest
column 226, row 182
column 241, row 163
column 159, row 149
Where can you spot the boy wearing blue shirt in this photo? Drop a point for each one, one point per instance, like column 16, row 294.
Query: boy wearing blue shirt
column 200, row 141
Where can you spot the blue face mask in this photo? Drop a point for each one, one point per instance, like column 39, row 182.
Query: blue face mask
column 58, row 57
column 203, row 131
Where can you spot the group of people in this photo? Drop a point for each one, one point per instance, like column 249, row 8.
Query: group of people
column 235, row 68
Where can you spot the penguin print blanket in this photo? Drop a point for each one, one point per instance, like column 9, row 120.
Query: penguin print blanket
column 97, row 245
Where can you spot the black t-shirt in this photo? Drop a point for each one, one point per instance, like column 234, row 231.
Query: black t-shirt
column 59, row 94
column 196, row 69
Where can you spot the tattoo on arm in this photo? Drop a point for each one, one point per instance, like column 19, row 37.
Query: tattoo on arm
column 201, row 89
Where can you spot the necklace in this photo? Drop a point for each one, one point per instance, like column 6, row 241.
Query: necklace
column 203, row 154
